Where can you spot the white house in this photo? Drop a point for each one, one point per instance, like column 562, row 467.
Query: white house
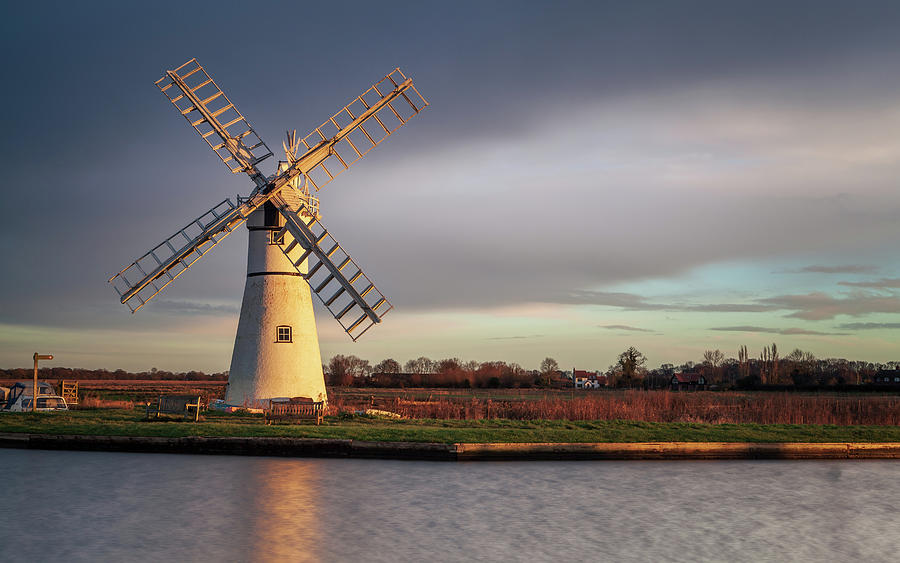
column 588, row 379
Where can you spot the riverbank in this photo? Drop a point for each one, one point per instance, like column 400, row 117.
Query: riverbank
column 366, row 436
column 124, row 422
column 312, row 447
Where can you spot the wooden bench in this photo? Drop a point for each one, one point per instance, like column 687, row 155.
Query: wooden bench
column 295, row 410
column 187, row 405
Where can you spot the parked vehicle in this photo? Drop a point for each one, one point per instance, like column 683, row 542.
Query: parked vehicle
column 18, row 398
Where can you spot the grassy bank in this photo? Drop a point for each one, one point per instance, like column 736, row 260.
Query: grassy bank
column 120, row 422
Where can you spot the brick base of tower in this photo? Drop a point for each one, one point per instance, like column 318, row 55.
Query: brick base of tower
column 276, row 349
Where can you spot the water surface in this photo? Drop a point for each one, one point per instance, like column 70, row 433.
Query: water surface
column 93, row 506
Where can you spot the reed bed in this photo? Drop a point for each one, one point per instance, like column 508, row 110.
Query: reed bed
column 761, row 407
column 94, row 402
column 650, row 406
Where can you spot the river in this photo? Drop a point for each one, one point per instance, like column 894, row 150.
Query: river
column 94, row 506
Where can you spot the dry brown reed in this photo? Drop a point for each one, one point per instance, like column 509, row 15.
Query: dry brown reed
column 650, row 406
column 93, row 402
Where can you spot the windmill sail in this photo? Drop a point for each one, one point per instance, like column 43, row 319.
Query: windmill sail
column 209, row 111
column 331, row 148
column 357, row 128
column 333, row 276
column 144, row 278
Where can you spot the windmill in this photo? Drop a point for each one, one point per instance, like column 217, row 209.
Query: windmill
column 290, row 253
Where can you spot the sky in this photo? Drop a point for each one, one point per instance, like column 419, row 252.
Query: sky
column 588, row 176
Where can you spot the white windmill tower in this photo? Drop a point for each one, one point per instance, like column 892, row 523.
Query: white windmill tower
column 276, row 350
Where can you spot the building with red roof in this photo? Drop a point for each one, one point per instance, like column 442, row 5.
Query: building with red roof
column 688, row 382
column 588, row 379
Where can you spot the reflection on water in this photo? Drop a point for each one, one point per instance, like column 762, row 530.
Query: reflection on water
column 286, row 515
column 87, row 506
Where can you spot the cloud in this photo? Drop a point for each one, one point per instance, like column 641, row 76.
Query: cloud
column 726, row 308
column 817, row 306
column 634, row 302
column 629, row 301
column 846, row 269
column 194, row 308
column 625, row 327
column 814, row 306
column 520, row 337
column 784, row 331
column 883, row 283
column 869, row 326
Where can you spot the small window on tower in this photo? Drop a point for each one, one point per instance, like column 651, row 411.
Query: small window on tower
column 284, row 334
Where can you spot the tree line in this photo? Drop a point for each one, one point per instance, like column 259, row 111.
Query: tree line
column 349, row 370
column 152, row 374
column 797, row 369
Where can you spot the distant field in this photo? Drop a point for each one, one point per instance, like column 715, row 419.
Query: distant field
column 124, row 392
column 128, row 383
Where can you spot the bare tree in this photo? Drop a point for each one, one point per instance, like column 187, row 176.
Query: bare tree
column 359, row 367
column 774, row 363
column 713, row 358
column 768, row 358
column 342, row 369
column 338, row 370
column 548, row 366
column 421, row 365
column 447, row 365
column 744, row 362
column 801, row 367
column 389, row 365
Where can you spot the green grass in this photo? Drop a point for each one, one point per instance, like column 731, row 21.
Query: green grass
column 113, row 422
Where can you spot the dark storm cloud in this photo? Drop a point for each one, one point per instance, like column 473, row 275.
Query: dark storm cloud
column 583, row 233
column 568, row 145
